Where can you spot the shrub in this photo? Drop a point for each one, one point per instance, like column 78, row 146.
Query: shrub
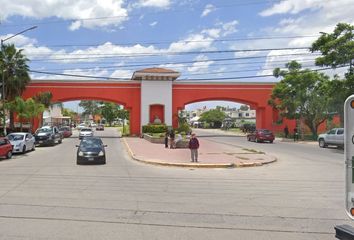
column 184, row 128
column 154, row 128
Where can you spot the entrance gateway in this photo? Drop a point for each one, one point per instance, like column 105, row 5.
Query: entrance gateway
column 155, row 95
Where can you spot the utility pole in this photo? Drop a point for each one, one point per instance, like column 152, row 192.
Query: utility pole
column 3, row 75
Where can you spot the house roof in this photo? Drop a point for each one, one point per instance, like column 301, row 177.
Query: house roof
column 156, row 70
column 166, row 74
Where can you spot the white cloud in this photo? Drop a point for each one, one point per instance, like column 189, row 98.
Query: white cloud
column 293, row 7
column 155, row 3
column 153, row 24
column 202, row 66
column 192, row 42
column 18, row 40
column 228, row 27
column 321, row 16
column 122, row 74
column 107, row 13
column 208, row 9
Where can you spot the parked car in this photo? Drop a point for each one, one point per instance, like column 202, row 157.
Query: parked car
column 66, row 131
column 261, row 135
column 90, row 151
column 334, row 137
column 5, row 148
column 85, row 132
column 48, row 135
column 100, row 127
column 21, row 142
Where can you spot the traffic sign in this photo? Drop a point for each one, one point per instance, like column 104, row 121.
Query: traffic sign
column 349, row 154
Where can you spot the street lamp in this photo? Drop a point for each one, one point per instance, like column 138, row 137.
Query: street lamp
column 3, row 74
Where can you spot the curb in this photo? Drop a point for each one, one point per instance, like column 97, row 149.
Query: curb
column 194, row 165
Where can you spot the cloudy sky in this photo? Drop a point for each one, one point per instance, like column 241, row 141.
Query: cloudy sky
column 221, row 40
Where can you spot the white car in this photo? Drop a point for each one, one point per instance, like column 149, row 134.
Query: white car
column 85, row 132
column 81, row 126
column 21, row 141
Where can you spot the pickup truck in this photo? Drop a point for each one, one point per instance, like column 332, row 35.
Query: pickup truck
column 48, row 135
column 333, row 137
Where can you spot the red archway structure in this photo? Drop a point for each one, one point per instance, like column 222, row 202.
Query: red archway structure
column 156, row 93
column 124, row 93
column 254, row 94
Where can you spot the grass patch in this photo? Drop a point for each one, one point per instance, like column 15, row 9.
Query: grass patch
column 252, row 150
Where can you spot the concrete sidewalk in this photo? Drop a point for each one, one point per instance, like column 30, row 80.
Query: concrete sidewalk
column 211, row 155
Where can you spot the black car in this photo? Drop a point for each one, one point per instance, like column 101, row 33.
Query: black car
column 91, row 151
column 48, row 135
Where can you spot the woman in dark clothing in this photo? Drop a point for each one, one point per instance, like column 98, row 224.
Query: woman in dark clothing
column 193, row 146
column 166, row 138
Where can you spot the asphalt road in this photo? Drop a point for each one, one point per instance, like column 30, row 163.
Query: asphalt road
column 45, row 195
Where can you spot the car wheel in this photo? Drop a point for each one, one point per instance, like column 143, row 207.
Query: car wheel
column 24, row 149
column 322, row 143
column 9, row 155
column 271, row 141
column 59, row 141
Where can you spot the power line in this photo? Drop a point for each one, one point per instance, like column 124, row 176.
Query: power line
column 183, row 41
column 196, row 79
column 90, row 57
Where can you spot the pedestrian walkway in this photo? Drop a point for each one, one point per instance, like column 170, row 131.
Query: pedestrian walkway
column 211, row 154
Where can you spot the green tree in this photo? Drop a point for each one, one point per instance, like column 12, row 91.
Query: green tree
column 124, row 115
column 13, row 64
column 44, row 98
column 301, row 95
column 244, row 107
column 214, row 117
column 337, row 50
column 109, row 111
column 90, row 107
column 33, row 110
column 19, row 107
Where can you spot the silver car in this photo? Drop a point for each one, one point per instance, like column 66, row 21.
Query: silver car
column 21, row 142
column 85, row 132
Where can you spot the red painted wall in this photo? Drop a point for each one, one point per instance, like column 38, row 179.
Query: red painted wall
column 127, row 94
column 157, row 110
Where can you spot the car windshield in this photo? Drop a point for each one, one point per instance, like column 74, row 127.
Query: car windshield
column 15, row 137
column 91, row 143
column 86, row 130
column 265, row 131
column 64, row 129
column 44, row 130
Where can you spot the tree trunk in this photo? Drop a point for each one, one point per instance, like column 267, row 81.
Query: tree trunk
column 12, row 120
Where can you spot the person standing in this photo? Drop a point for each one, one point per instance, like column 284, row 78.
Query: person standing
column 172, row 138
column 166, row 138
column 193, row 146
column 296, row 134
column 286, row 131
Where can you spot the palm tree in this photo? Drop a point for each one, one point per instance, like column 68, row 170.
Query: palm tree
column 33, row 110
column 19, row 107
column 14, row 68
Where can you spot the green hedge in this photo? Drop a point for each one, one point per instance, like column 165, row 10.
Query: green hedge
column 154, row 128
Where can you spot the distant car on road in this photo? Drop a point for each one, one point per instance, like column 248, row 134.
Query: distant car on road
column 48, row 135
column 81, row 126
column 90, row 151
column 85, row 132
column 261, row 135
column 334, row 137
column 21, row 142
column 100, row 127
column 66, row 131
column 5, row 148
